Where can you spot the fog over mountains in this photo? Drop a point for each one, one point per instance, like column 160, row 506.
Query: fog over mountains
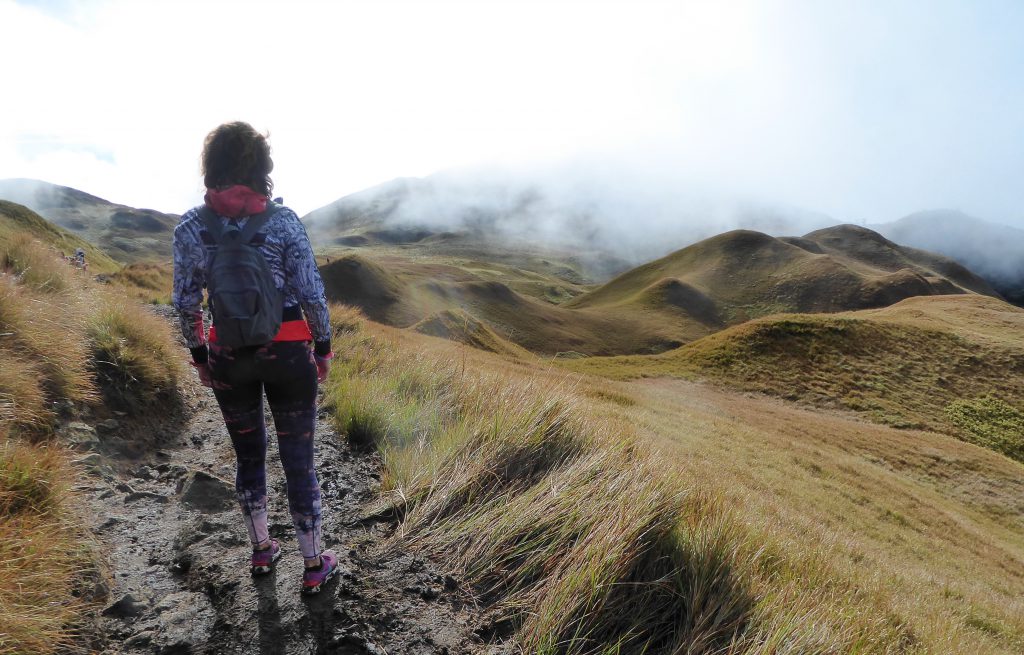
column 612, row 223
column 632, row 220
column 993, row 251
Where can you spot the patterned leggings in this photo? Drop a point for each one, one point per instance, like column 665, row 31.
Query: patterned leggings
column 287, row 372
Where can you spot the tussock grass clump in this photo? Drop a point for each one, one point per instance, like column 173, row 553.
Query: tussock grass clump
column 346, row 318
column 43, row 354
column 146, row 281
column 578, row 540
column 31, row 479
column 36, row 265
column 42, row 550
column 133, row 352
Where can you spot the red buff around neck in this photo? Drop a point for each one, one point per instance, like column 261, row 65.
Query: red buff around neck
column 235, row 201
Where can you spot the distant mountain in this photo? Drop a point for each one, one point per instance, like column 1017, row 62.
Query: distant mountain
column 993, row 251
column 701, row 289
column 605, row 228
column 127, row 234
column 742, row 274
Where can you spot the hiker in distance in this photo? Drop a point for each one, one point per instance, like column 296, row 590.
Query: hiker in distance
column 271, row 333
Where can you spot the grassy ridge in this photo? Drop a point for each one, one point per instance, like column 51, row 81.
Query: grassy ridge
column 900, row 366
column 17, row 221
column 65, row 342
column 576, row 536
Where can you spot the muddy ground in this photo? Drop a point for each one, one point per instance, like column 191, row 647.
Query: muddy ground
column 162, row 504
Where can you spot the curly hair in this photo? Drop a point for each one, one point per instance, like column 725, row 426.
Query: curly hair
column 235, row 153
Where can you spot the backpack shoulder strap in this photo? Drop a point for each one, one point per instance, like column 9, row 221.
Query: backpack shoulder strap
column 256, row 221
column 213, row 223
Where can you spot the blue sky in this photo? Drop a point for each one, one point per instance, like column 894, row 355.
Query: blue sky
column 864, row 110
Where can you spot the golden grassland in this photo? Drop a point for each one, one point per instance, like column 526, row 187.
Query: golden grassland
column 930, row 528
column 952, row 364
column 65, row 342
column 149, row 282
column 594, row 515
column 660, row 515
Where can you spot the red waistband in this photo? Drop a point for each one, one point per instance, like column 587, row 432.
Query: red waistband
column 290, row 331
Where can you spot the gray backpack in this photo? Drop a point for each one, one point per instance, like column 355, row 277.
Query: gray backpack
column 245, row 302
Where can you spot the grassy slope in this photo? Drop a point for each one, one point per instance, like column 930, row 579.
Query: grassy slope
column 65, row 342
column 904, row 365
column 126, row 233
column 17, row 219
column 833, row 535
column 578, row 538
column 930, row 528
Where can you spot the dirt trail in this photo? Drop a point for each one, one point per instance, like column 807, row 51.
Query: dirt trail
column 178, row 554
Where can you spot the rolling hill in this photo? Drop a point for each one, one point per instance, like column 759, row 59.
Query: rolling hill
column 995, row 252
column 685, row 296
column 404, row 292
column 926, row 362
column 740, row 275
column 125, row 233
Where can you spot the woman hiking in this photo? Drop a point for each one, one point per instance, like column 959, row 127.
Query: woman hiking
column 268, row 306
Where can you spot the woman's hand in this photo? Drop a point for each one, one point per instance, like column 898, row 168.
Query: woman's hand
column 203, row 370
column 323, row 366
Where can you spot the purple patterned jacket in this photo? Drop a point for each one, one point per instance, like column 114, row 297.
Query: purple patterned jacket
column 284, row 243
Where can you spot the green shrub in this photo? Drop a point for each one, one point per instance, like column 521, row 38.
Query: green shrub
column 990, row 422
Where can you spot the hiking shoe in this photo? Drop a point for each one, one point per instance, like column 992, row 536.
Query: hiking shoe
column 313, row 579
column 263, row 560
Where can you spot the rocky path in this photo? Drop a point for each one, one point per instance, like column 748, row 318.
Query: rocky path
column 178, row 553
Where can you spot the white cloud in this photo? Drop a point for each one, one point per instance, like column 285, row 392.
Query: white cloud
column 841, row 108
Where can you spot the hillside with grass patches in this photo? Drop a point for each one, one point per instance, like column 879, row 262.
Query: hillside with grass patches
column 910, row 365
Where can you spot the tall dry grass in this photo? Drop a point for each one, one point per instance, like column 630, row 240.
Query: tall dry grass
column 68, row 339
column 36, row 266
column 43, row 549
column 44, row 355
column 133, row 352
column 146, row 281
column 64, row 342
column 576, row 536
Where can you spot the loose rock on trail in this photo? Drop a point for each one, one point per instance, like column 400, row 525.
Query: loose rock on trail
column 178, row 553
